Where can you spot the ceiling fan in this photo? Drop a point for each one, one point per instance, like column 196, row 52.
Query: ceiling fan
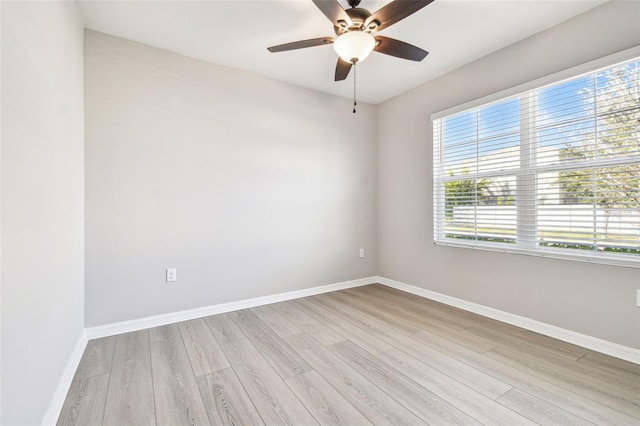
column 357, row 29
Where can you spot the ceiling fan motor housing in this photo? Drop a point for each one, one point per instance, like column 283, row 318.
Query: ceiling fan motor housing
column 358, row 17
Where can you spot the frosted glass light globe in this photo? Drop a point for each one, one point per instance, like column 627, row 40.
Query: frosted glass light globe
column 354, row 46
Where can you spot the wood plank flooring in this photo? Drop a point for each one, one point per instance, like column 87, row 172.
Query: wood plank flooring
column 367, row 355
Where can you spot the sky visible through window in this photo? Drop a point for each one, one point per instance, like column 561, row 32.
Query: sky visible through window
column 565, row 115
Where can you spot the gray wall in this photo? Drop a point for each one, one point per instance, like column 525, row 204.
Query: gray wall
column 249, row 187
column 42, row 202
column 595, row 300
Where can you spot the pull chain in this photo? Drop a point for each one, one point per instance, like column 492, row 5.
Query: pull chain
column 354, row 88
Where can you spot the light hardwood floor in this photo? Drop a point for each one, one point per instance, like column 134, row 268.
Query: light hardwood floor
column 368, row 355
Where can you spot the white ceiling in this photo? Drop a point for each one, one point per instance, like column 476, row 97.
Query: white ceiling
column 237, row 33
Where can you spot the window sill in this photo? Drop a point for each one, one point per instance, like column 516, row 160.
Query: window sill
column 608, row 260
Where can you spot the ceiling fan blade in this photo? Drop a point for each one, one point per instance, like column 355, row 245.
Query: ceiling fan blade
column 333, row 11
column 301, row 44
column 395, row 11
column 342, row 69
column 399, row 49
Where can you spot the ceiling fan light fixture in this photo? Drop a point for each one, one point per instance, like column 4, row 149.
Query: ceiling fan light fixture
column 354, row 46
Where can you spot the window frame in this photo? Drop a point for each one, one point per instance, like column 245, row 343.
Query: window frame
column 526, row 218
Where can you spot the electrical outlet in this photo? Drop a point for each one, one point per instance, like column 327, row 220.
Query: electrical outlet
column 172, row 274
column 638, row 298
column 361, row 252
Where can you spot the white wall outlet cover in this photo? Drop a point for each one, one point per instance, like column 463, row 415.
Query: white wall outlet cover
column 361, row 252
column 172, row 274
column 638, row 298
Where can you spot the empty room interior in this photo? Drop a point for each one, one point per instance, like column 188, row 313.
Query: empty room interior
column 320, row 212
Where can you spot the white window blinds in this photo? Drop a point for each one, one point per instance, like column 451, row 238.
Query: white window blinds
column 551, row 171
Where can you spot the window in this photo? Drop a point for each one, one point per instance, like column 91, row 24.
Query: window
column 553, row 170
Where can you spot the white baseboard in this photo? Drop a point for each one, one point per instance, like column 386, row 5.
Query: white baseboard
column 158, row 320
column 619, row 351
column 589, row 342
column 57, row 401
